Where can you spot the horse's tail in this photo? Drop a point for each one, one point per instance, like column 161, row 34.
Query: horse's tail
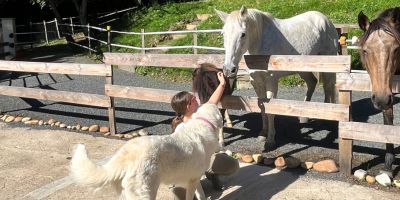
column 85, row 172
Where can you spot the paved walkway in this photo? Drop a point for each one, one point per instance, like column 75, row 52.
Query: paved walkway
column 34, row 165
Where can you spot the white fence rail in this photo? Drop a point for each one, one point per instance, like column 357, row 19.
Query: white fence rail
column 87, row 29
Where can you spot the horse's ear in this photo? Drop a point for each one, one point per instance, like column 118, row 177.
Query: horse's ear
column 396, row 15
column 243, row 11
column 222, row 15
column 363, row 21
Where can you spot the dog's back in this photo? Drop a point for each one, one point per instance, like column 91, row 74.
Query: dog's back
column 145, row 162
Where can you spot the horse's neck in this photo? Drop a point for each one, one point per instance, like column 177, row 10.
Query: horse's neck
column 256, row 35
column 269, row 33
column 278, row 37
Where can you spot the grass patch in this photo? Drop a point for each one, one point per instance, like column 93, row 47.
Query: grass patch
column 174, row 16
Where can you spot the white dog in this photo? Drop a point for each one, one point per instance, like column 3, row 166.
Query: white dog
column 138, row 168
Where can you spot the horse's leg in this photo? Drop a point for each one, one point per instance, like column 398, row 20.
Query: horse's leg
column 199, row 193
column 258, row 81
column 272, row 91
column 191, row 188
column 311, row 82
column 227, row 119
column 389, row 157
column 221, row 131
column 221, row 137
column 329, row 81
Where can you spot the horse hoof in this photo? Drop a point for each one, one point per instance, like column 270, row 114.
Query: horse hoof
column 269, row 146
column 262, row 138
column 387, row 172
column 303, row 120
column 229, row 125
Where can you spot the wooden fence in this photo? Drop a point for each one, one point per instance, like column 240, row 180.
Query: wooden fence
column 337, row 112
column 346, row 83
column 334, row 64
column 348, row 131
column 61, row 96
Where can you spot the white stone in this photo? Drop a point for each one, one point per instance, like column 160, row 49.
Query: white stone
column 396, row 183
column 360, row 174
column 25, row 119
column 383, row 179
column 143, row 132
column 229, row 152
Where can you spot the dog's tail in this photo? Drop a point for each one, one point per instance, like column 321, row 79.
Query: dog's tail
column 85, row 172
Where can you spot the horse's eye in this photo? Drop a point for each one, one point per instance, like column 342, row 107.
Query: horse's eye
column 365, row 52
column 243, row 34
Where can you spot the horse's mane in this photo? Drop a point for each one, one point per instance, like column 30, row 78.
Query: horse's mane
column 383, row 22
column 253, row 15
column 205, row 81
column 255, row 20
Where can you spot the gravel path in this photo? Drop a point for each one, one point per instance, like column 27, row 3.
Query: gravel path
column 312, row 141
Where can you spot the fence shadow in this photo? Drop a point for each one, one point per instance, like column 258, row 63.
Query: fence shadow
column 254, row 182
column 363, row 109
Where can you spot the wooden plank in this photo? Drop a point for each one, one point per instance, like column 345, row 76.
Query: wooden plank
column 315, row 110
column 256, row 62
column 299, row 63
column 56, row 68
column 338, row 112
column 353, row 26
column 345, row 98
column 369, row 132
column 360, row 81
column 58, row 96
column 345, row 156
column 166, row 60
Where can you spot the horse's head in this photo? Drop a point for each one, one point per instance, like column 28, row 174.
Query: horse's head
column 236, row 39
column 380, row 53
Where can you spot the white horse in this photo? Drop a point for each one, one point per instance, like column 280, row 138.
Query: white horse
column 254, row 32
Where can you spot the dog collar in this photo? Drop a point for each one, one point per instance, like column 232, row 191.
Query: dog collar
column 207, row 122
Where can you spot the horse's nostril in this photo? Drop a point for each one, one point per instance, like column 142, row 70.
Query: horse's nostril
column 373, row 97
column 233, row 70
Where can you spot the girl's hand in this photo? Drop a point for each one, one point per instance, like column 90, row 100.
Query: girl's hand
column 221, row 78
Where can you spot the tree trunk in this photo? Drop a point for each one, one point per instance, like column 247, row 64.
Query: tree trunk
column 81, row 10
column 63, row 29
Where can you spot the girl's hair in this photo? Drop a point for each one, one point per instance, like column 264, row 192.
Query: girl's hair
column 179, row 103
column 205, row 81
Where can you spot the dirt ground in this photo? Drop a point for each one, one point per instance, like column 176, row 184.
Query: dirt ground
column 34, row 165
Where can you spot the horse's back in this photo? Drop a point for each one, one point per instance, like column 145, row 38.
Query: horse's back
column 311, row 33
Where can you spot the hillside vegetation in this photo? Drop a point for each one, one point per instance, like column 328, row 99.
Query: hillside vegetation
column 174, row 16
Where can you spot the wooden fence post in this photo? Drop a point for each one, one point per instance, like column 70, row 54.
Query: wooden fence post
column 72, row 26
column 58, row 31
column 111, row 109
column 45, row 32
column 195, row 41
column 142, row 36
column 109, row 38
column 88, row 37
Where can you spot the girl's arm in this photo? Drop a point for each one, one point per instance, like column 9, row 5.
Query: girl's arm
column 216, row 96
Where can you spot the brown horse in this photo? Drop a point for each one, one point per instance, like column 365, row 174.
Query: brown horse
column 205, row 81
column 380, row 55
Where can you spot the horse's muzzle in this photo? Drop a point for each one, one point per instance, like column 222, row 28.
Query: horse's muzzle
column 382, row 102
column 230, row 73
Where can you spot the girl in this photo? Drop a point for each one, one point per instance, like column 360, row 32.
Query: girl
column 184, row 105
